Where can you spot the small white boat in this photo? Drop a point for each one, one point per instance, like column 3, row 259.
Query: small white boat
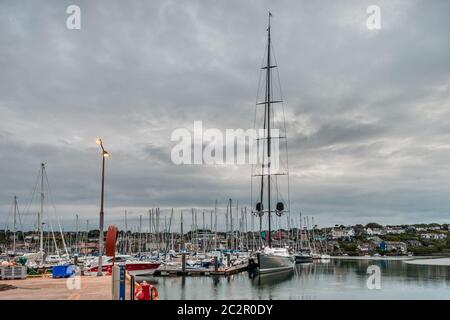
column 325, row 258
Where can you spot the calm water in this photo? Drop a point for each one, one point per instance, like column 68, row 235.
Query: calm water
column 338, row 279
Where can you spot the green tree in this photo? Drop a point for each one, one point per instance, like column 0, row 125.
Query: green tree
column 373, row 225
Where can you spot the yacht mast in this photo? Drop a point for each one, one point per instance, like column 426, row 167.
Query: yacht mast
column 76, row 234
column 181, row 232
column 215, row 225
column 15, row 225
column 40, row 216
column 268, row 87
column 140, row 235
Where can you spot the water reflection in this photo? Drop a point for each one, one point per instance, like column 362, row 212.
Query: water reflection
column 272, row 279
column 337, row 279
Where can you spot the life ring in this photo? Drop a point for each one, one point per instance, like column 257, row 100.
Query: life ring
column 109, row 270
column 154, row 295
column 138, row 294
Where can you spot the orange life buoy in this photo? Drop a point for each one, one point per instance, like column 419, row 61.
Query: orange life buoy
column 139, row 294
column 154, row 295
column 146, row 292
column 109, row 270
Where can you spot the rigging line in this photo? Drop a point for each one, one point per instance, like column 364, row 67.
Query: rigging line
column 20, row 217
column 11, row 205
column 264, row 145
column 31, row 197
column 54, row 239
column 273, row 122
column 285, row 130
column 20, row 222
column 49, row 199
column 255, row 161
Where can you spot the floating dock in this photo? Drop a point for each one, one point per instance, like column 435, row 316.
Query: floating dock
column 177, row 271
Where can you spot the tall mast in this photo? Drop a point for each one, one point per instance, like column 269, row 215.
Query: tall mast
column 210, row 229
column 236, row 238
column 15, row 227
column 268, row 87
column 196, row 230
column 150, row 218
column 140, row 235
column 76, row 234
column 231, row 225
column 125, row 241
column 301, row 232
column 41, row 214
column 181, row 232
column 226, row 225
column 215, row 225
column 203, row 232
column 87, row 238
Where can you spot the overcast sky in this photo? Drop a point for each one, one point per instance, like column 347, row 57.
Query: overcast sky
column 368, row 111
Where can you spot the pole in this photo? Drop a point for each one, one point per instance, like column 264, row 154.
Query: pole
column 140, row 235
column 268, row 133
column 203, row 231
column 226, row 226
column 15, row 221
column 41, row 231
column 215, row 225
column 231, row 226
column 76, row 235
column 100, row 240
column 87, row 238
column 181, row 233
column 150, row 218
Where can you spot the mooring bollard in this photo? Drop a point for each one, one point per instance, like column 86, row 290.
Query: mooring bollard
column 183, row 262
column 115, row 282
column 132, row 288
column 216, row 263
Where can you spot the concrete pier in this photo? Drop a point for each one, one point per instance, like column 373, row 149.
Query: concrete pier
column 47, row 288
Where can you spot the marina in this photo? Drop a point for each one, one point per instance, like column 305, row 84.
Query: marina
column 152, row 210
column 337, row 279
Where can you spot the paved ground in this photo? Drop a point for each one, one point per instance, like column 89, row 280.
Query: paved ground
column 78, row 288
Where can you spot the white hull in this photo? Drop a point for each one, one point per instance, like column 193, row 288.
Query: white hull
column 145, row 272
column 270, row 263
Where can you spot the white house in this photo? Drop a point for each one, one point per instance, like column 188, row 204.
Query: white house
column 375, row 232
column 346, row 233
column 433, row 236
column 395, row 230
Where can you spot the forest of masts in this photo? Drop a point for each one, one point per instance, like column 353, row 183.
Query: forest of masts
column 195, row 230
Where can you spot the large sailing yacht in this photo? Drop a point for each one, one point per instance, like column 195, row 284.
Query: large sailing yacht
column 271, row 258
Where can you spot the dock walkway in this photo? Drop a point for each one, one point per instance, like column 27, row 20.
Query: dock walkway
column 47, row 288
column 177, row 271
